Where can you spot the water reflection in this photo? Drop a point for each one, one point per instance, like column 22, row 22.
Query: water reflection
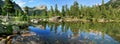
column 66, row 34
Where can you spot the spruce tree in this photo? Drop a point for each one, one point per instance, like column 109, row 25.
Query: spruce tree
column 52, row 10
column 67, row 12
column 75, row 9
column 25, row 17
column 56, row 10
column 26, row 10
column 63, row 11
column 0, row 10
column 46, row 13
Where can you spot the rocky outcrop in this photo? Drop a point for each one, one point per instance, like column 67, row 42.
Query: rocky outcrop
column 55, row 19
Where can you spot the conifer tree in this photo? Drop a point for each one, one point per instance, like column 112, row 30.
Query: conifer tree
column 26, row 10
column 0, row 10
column 67, row 12
column 52, row 10
column 63, row 11
column 56, row 10
column 75, row 9
column 45, row 11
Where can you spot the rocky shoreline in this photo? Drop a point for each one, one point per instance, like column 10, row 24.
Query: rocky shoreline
column 16, row 38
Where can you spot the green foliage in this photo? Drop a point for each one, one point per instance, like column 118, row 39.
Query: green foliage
column 24, row 18
column 0, row 10
column 74, row 9
column 56, row 10
column 104, row 11
column 63, row 11
column 26, row 9
column 67, row 12
column 8, row 7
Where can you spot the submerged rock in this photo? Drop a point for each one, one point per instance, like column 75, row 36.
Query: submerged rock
column 25, row 40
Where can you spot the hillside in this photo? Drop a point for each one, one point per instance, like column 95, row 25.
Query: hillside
column 114, row 3
column 16, row 6
column 1, row 3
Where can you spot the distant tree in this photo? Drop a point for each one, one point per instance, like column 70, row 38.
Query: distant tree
column 46, row 13
column 16, row 12
column 56, row 10
column 26, row 10
column 52, row 10
column 0, row 10
column 67, row 12
column 9, row 7
column 102, row 2
column 74, row 9
column 34, row 13
column 63, row 11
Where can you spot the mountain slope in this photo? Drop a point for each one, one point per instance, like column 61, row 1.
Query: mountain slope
column 1, row 3
column 114, row 3
column 16, row 6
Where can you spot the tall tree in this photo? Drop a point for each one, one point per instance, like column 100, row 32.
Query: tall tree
column 26, row 12
column 45, row 11
column 26, row 9
column 67, row 12
column 56, row 10
column 75, row 9
column 9, row 7
column 0, row 10
column 52, row 10
column 63, row 11
column 102, row 2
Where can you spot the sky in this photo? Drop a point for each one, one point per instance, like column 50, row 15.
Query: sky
column 48, row 3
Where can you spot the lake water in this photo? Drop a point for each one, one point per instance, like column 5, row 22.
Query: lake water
column 77, row 33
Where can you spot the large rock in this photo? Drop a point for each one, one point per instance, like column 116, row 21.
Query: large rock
column 55, row 19
column 26, row 40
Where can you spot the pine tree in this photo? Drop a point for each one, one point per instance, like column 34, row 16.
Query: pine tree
column 67, row 12
column 75, row 9
column 26, row 9
column 56, row 10
column 102, row 2
column 0, row 10
column 45, row 11
column 52, row 10
column 25, row 17
column 63, row 11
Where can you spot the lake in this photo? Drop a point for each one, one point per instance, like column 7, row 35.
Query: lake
column 76, row 33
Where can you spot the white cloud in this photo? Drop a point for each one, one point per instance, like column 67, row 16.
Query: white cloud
column 31, row 1
column 20, row 3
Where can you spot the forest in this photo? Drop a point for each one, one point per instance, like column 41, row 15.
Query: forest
column 106, row 11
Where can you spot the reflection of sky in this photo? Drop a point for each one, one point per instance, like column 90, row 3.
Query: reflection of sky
column 97, row 38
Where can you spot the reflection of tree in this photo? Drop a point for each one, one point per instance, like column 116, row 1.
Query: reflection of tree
column 111, row 29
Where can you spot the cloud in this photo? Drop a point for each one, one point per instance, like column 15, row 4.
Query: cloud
column 20, row 3
column 31, row 1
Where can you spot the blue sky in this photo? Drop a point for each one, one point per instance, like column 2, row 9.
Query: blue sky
column 48, row 3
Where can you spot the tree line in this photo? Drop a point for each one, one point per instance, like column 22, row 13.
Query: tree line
column 83, row 12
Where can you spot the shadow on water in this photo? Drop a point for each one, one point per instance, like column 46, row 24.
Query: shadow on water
column 77, row 33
